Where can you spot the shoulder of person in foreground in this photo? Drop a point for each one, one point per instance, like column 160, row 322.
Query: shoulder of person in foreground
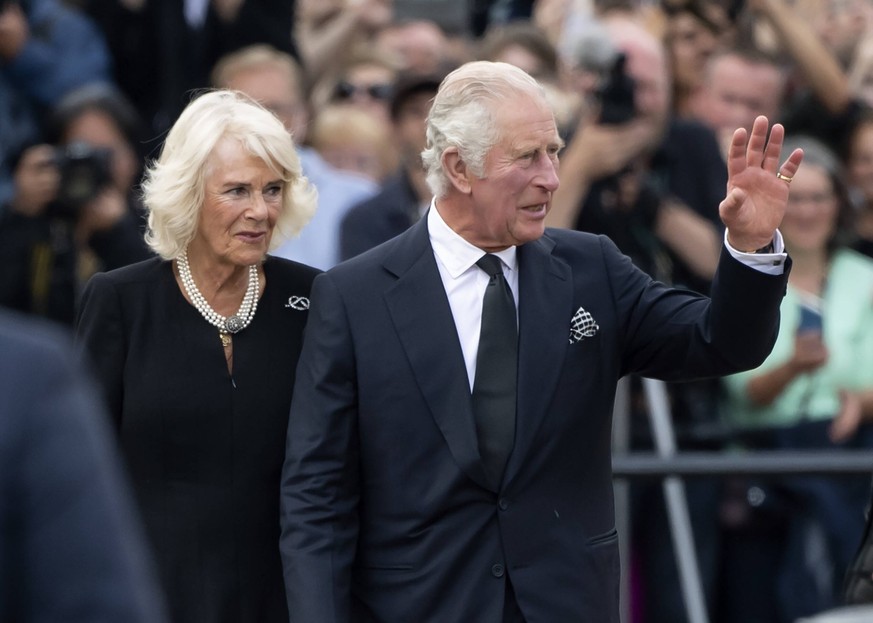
column 72, row 548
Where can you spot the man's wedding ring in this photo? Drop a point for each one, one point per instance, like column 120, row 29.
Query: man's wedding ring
column 784, row 178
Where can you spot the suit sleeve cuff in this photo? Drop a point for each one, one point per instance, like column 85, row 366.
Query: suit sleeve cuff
column 769, row 263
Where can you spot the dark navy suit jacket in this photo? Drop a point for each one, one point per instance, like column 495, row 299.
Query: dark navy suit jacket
column 71, row 548
column 386, row 511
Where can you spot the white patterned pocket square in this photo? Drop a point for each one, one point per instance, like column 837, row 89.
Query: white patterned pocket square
column 582, row 325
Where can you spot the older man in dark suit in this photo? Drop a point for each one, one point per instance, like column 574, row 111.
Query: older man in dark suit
column 448, row 452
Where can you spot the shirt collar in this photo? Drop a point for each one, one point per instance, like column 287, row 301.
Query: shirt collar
column 456, row 254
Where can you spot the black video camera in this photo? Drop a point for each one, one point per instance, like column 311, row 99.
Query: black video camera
column 616, row 94
column 85, row 171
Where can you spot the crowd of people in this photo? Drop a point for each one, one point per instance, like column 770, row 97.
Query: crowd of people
column 149, row 199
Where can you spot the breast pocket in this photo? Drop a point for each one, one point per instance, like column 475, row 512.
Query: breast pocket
column 584, row 354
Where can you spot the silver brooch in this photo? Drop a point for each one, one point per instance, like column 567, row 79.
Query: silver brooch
column 300, row 303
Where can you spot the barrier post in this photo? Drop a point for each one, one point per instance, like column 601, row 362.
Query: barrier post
column 677, row 503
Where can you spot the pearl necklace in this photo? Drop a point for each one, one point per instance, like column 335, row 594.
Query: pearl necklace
column 225, row 325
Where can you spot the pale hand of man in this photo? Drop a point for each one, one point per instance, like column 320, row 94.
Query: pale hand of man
column 610, row 148
column 101, row 213
column 14, row 31
column 848, row 419
column 757, row 188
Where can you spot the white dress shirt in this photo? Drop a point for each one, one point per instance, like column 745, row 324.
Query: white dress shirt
column 769, row 263
column 465, row 282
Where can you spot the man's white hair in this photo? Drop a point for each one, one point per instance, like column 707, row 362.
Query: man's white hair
column 463, row 115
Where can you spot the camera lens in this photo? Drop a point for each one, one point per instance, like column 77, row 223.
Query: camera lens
column 85, row 171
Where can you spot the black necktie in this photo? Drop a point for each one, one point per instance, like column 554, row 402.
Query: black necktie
column 494, row 387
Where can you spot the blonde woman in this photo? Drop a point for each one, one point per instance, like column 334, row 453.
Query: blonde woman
column 197, row 349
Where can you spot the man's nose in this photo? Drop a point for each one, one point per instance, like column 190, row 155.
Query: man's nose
column 549, row 175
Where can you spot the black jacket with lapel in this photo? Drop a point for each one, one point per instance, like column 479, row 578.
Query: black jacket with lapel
column 386, row 514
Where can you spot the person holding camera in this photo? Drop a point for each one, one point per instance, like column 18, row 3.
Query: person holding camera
column 649, row 181
column 48, row 48
column 641, row 176
column 74, row 210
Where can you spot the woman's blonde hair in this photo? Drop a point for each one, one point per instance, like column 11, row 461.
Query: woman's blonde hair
column 173, row 187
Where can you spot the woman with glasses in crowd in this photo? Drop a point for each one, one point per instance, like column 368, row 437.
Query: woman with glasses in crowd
column 814, row 391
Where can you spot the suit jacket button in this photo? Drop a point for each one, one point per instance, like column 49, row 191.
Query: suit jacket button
column 503, row 504
column 497, row 570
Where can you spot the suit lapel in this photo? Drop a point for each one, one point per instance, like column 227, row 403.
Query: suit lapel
column 422, row 317
column 545, row 309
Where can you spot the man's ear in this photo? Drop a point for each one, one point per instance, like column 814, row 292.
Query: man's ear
column 456, row 170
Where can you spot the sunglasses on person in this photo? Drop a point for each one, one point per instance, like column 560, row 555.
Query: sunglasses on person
column 346, row 90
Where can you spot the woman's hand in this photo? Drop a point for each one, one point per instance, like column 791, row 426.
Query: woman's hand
column 100, row 214
column 848, row 419
column 810, row 352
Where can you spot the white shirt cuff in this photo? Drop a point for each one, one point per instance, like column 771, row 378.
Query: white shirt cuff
column 769, row 263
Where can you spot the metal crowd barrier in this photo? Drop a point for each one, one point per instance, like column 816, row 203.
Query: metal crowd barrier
column 759, row 463
column 672, row 467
